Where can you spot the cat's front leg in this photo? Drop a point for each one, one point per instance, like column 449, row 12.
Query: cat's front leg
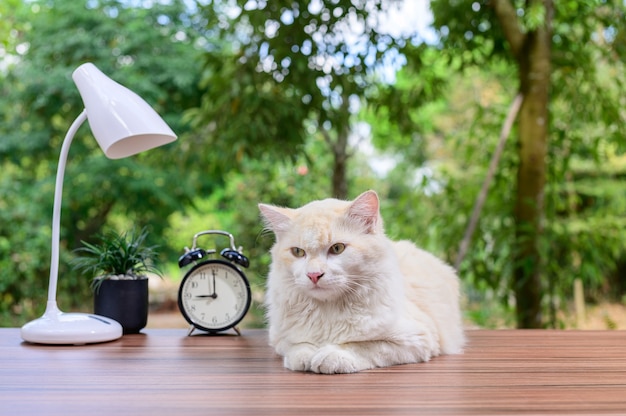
column 334, row 359
column 357, row 356
column 298, row 357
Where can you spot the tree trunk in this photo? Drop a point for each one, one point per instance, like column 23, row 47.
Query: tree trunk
column 340, row 167
column 339, row 148
column 534, row 66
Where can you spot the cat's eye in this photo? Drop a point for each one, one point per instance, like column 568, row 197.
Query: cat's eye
column 337, row 248
column 297, row 252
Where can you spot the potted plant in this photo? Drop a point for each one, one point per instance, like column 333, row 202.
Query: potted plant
column 118, row 264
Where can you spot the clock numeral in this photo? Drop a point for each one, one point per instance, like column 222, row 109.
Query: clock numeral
column 194, row 285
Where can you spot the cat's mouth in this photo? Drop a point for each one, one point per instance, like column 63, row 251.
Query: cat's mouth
column 320, row 292
column 317, row 287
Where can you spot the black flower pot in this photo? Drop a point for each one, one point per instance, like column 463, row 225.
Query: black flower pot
column 126, row 301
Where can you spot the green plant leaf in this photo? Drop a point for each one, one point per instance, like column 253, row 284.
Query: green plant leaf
column 117, row 254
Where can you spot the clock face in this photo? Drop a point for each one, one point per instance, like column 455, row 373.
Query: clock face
column 214, row 296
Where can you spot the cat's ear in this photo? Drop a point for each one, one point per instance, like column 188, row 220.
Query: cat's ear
column 275, row 218
column 366, row 209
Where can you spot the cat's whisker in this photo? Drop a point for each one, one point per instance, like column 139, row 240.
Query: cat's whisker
column 357, row 289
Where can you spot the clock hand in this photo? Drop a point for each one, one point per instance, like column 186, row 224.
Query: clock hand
column 213, row 295
column 206, row 296
column 208, row 283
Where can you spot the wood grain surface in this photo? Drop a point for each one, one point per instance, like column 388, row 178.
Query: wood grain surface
column 164, row 372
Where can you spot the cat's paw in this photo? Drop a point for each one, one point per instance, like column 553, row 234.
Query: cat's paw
column 298, row 358
column 333, row 359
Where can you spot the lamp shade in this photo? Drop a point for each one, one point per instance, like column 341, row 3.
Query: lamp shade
column 121, row 121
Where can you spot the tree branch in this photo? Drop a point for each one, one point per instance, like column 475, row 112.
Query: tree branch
column 507, row 16
column 482, row 196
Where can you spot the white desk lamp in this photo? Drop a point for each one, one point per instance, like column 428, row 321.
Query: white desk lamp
column 124, row 125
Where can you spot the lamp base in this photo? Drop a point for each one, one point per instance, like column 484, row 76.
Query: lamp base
column 56, row 327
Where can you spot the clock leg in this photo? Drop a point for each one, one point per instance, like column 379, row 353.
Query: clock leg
column 191, row 329
column 237, row 330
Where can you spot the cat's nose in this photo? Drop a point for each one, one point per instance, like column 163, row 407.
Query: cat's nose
column 314, row 276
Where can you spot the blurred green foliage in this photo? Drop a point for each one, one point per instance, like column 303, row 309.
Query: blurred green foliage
column 251, row 133
column 47, row 40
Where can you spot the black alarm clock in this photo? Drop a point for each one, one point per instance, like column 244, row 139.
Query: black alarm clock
column 214, row 295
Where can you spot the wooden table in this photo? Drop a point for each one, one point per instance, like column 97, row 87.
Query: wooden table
column 164, row 372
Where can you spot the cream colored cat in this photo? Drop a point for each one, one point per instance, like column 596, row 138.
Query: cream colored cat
column 342, row 297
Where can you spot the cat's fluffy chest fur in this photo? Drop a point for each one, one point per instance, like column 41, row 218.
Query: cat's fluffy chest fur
column 341, row 297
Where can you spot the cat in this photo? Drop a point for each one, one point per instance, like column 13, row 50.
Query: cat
column 341, row 297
